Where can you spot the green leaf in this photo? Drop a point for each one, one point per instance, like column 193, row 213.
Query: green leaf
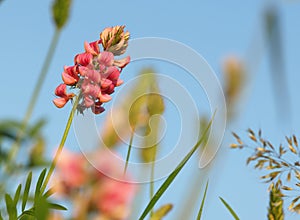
column 57, row 207
column 39, row 184
column 161, row 212
column 10, row 207
column 49, row 192
column 172, row 176
column 41, row 207
column 202, row 203
column 234, row 215
column 27, row 215
column 17, row 194
column 26, row 190
column 1, row 216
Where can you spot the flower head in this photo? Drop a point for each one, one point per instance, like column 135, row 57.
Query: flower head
column 95, row 73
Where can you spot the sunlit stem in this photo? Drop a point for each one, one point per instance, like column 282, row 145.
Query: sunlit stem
column 61, row 145
column 129, row 150
column 20, row 135
column 152, row 179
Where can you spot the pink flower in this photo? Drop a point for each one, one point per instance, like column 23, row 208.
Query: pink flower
column 96, row 73
column 61, row 91
column 112, row 197
column 70, row 75
column 71, row 171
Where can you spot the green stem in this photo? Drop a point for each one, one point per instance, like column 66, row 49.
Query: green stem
column 14, row 148
column 61, row 145
column 152, row 180
column 129, row 151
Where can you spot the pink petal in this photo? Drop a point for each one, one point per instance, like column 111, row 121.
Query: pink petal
column 119, row 82
column 105, row 83
column 60, row 102
column 69, row 79
column 61, row 90
column 90, row 89
column 88, row 102
column 106, row 58
column 94, row 76
column 110, row 89
column 83, row 70
column 70, row 95
column 93, row 47
column 114, row 73
column 83, row 59
column 123, row 62
column 97, row 108
column 105, row 98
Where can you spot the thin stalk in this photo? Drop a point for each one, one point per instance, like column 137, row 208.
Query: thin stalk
column 129, row 151
column 14, row 148
column 61, row 145
column 152, row 180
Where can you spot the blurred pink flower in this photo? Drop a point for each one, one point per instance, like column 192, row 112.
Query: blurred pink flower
column 112, row 197
column 70, row 172
column 91, row 188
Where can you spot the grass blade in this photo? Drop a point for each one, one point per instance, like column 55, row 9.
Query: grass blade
column 39, row 184
column 26, row 191
column 17, row 194
column 57, row 207
column 234, row 215
column 10, row 207
column 129, row 151
column 49, row 192
column 172, row 176
column 202, row 203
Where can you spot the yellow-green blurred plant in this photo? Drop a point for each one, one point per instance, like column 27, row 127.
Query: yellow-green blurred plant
column 275, row 210
column 234, row 80
column 161, row 212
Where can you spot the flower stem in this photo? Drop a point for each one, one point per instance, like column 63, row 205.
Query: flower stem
column 129, row 151
column 152, row 180
column 61, row 145
column 20, row 135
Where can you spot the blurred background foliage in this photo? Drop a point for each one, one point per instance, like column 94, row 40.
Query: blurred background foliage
column 237, row 75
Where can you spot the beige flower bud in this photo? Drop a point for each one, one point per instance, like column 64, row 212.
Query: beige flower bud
column 115, row 39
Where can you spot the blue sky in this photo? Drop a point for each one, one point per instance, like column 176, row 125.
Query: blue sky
column 214, row 29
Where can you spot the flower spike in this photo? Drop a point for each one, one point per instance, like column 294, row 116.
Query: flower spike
column 95, row 73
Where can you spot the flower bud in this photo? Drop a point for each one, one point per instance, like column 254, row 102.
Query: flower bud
column 115, row 40
column 60, row 12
